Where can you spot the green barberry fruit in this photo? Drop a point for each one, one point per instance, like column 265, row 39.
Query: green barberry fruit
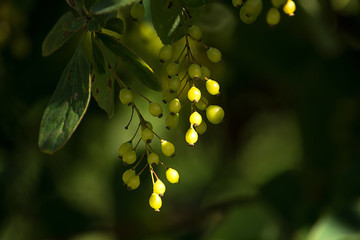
column 153, row 159
column 195, row 32
column 133, row 183
column 172, row 175
column 194, row 71
column 137, row 11
column 166, row 53
column 167, row 148
column 147, row 135
column 129, row 157
column 155, row 202
column 214, row 55
column 250, row 11
column 194, row 94
column 212, row 87
column 273, row 16
column 155, row 109
column 289, row 8
column 175, row 106
column 126, row 97
column 237, row 3
column 127, row 175
column 205, row 72
column 201, row 129
column 172, row 120
column 124, row 148
column 172, row 68
column 191, row 136
column 159, row 188
column 195, row 118
column 174, row 83
column 214, row 114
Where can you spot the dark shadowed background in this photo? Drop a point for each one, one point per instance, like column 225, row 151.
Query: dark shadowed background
column 284, row 163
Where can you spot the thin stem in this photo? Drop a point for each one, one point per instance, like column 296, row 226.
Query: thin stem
column 135, row 133
column 152, row 176
column 137, row 144
column 182, row 89
column 139, row 161
column 131, row 117
column 143, row 169
column 157, row 178
column 138, row 93
column 148, row 144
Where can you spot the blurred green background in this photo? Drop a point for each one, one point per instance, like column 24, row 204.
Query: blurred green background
column 284, row 164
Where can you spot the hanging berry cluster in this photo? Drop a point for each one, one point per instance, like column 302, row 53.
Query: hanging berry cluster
column 193, row 75
column 251, row 9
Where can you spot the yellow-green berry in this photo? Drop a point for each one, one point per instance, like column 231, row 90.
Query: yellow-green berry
column 159, row 188
column 175, row 105
column 194, row 94
column 126, row 97
column 147, row 135
column 195, row 118
column 153, row 159
column 155, row 202
column 155, row 109
column 167, row 148
column 124, row 148
column 195, row 32
column 127, row 175
column 194, row 71
column 201, row 129
column 202, row 104
column 214, row 55
column 215, row 114
column 133, row 183
column 129, row 157
column 172, row 175
column 212, row 87
column 172, row 120
column 191, row 136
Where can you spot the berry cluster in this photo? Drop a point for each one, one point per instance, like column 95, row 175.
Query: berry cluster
column 185, row 74
column 127, row 152
column 251, row 9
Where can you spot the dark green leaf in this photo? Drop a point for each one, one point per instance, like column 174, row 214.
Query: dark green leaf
column 94, row 25
column 134, row 65
column 115, row 25
column 67, row 106
column 106, row 6
column 62, row 31
column 97, row 55
column 165, row 16
column 102, row 89
column 76, row 4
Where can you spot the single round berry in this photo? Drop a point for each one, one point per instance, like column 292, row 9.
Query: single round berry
column 155, row 109
column 147, row 135
column 129, row 157
column 194, row 94
column 155, row 202
column 134, row 182
column 273, row 16
column 153, row 159
column 289, row 8
column 191, row 136
column 137, row 11
column 214, row 114
column 194, row 71
column 201, row 129
column 147, row 125
column 159, row 188
column 172, row 120
column 175, row 106
column 278, row 3
column 126, row 97
column 202, row 104
column 214, row 55
column 172, row 68
column 212, row 87
column 195, row 118
column 250, row 11
column 174, row 83
column 172, row 175
column 127, row 175
column 166, row 53
column 237, row 3
column 167, row 148
column 195, row 32
column 205, row 72
column 127, row 146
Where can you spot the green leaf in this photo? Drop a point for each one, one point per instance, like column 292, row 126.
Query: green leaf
column 76, row 4
column 116, row 25
column 106, row 6
column 102, row 89
column 67, row 106
column 62, row 31
column 94, row 25
column 135, row 66
column 165, row 16
column 97, row 55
